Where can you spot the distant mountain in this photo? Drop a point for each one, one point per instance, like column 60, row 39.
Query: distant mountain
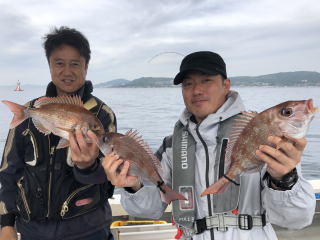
column 300, row 78
column 113, row 83
column 140, row 82
column 150, row 82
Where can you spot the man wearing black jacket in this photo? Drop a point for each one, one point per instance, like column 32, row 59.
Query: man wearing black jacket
column 49, row 193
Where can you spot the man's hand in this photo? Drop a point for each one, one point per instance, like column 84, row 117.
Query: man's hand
column 8, row 233
column 284, row 157
column 111, row 164
column 83, row 154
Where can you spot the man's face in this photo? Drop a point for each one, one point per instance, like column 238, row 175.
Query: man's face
column 204, row 94
column 68, row 69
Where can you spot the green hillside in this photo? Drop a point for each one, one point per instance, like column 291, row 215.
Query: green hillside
column 300, row 78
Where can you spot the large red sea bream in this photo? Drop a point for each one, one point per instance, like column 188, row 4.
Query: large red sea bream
column 57, row 115
column 251, row 129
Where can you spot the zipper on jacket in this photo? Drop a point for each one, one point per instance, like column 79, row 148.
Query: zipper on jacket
column 65, row 205
column 207, row 174
column 33, row 140
column 24, row 198
column 51, row 153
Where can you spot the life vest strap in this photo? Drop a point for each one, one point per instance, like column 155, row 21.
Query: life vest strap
column 222, row 222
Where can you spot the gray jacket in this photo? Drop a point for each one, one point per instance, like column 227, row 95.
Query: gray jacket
column 291, row 209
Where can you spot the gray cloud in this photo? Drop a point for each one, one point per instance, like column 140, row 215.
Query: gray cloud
column 254, row 37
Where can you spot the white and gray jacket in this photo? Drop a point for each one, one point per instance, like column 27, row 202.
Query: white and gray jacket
column 292, row 209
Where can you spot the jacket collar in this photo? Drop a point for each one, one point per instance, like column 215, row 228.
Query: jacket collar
column 84, row 92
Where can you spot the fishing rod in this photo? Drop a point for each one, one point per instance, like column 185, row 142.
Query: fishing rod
column 162, row 53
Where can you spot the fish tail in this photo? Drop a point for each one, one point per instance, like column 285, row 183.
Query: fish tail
column 217, row 187
column 18, row 111
column 168, row 194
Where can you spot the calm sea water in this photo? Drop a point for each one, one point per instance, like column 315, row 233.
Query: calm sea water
column 154, row 111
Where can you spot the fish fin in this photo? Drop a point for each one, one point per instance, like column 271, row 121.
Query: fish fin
column 249, row 114
column 76, row 100
column 39, row 126
column 63, row 143
column 134, row 135
column 217, row 187
column 18, row 111
column 253, row 169
column 240, row 123
column 134, row 170
column 168, row 194
column 63, row 133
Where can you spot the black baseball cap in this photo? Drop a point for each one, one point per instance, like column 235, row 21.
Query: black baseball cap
column 207, row 62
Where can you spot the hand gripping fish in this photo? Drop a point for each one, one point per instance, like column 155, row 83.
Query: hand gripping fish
column 291, row 118
column 58, row 115
column 63, row 115
column 143, row 162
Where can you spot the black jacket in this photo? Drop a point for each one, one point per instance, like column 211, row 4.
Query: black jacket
column 40, row 186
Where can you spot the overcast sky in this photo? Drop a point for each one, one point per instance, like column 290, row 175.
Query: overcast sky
column 134, row 38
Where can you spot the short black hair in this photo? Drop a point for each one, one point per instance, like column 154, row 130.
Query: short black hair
column 67, row 36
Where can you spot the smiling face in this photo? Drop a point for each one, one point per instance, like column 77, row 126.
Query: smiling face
column 204, row 94
column 68, row 69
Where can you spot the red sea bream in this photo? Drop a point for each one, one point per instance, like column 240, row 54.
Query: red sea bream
column 57, row 115
column 143, row 163
column 291, row 118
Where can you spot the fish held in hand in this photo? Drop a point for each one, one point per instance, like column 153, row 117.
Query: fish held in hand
column 58, row 115
column 143, row 163
column 251, row 129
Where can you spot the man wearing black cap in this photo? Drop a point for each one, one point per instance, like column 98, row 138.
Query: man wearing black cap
column 193, row 158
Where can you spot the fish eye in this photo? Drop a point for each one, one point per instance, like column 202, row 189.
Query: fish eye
column 286, row 112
